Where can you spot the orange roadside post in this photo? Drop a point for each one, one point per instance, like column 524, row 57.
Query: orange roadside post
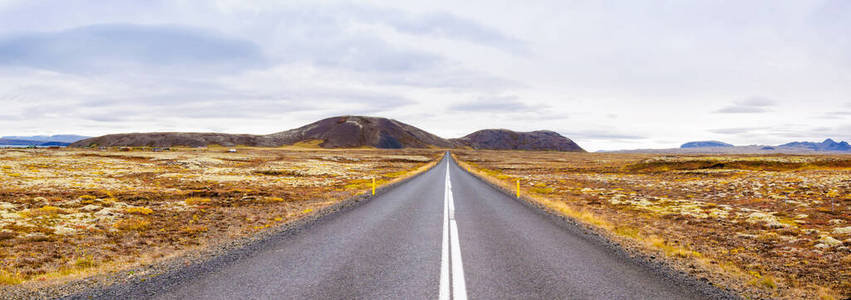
column 518, row 188
column 373, row 186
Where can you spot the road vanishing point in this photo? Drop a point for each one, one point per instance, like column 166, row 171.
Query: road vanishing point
column 441, row 235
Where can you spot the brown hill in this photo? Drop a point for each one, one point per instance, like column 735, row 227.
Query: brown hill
column 358, row 131
column 336, row 132
column 345, row 132
column 169, row 139
column 504, row 139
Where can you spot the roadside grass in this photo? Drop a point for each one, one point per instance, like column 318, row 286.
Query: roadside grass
column 9, row 278
column 132, row 224
column 621, row 196
column 136, row 207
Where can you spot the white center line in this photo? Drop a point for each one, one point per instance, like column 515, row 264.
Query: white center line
column 444, row 257
column 450, row 232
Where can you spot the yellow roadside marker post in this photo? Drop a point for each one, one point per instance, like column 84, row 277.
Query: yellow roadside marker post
column 518, row 188
column 373, row 186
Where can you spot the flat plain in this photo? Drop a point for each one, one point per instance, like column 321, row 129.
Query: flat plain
column 68, row 213
column 767, row 226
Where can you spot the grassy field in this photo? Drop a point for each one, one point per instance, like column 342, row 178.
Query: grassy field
column 775, row 226
column 71, row 213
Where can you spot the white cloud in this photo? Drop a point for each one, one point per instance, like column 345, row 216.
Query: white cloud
column 749, row 105
column 118, row 47
column 635, row 75
column 504, row 104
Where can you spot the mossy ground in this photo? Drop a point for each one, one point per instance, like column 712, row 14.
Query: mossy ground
column 69, row 212
column 774, row 226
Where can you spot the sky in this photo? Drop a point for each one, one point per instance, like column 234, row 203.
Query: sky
column 608, row 74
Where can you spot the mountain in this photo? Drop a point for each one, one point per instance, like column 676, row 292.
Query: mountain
column 336, row 132
column 702, row 144
column 40, row 140
column 63, row 138
column 826, row 145
column 504, row 139
column 15, row 142
column 170, row 139
column 358, row 131
column 345, row 132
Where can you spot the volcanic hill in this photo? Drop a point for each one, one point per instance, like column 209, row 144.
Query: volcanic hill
column 345, row 132
column 504, row 139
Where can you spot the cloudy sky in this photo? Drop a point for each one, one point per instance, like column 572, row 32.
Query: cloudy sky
column 608, row 74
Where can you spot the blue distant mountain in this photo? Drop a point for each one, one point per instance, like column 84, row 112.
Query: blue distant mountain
column 41, row 140
column 11, row 142
column 64, row 138
column 826, row 145
column 703, row 144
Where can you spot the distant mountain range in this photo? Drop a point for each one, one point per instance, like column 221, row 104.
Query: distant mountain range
column 346, row 132
column 65, row 138
column 41, row 140
column 701, row 144
column 11, row 142
column 375, row 132
column 828, row 145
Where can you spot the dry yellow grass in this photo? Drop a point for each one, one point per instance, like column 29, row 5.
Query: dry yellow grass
column 774, row 226
column 130, row 207
column 7, row 278
column 139, row 210
column 310, row 144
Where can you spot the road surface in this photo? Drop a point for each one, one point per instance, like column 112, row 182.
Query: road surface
column 442, row 235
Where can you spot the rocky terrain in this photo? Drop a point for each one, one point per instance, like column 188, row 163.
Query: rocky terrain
column 504, row 139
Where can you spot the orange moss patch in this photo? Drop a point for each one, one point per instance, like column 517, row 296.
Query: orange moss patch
column 139, row 210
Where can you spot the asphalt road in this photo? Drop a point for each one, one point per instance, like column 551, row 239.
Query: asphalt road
column 423, row 240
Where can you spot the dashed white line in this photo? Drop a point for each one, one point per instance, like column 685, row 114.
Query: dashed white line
column 450, row 240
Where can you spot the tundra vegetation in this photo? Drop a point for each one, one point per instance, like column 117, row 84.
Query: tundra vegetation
column 70, row 213
column 767, row 226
